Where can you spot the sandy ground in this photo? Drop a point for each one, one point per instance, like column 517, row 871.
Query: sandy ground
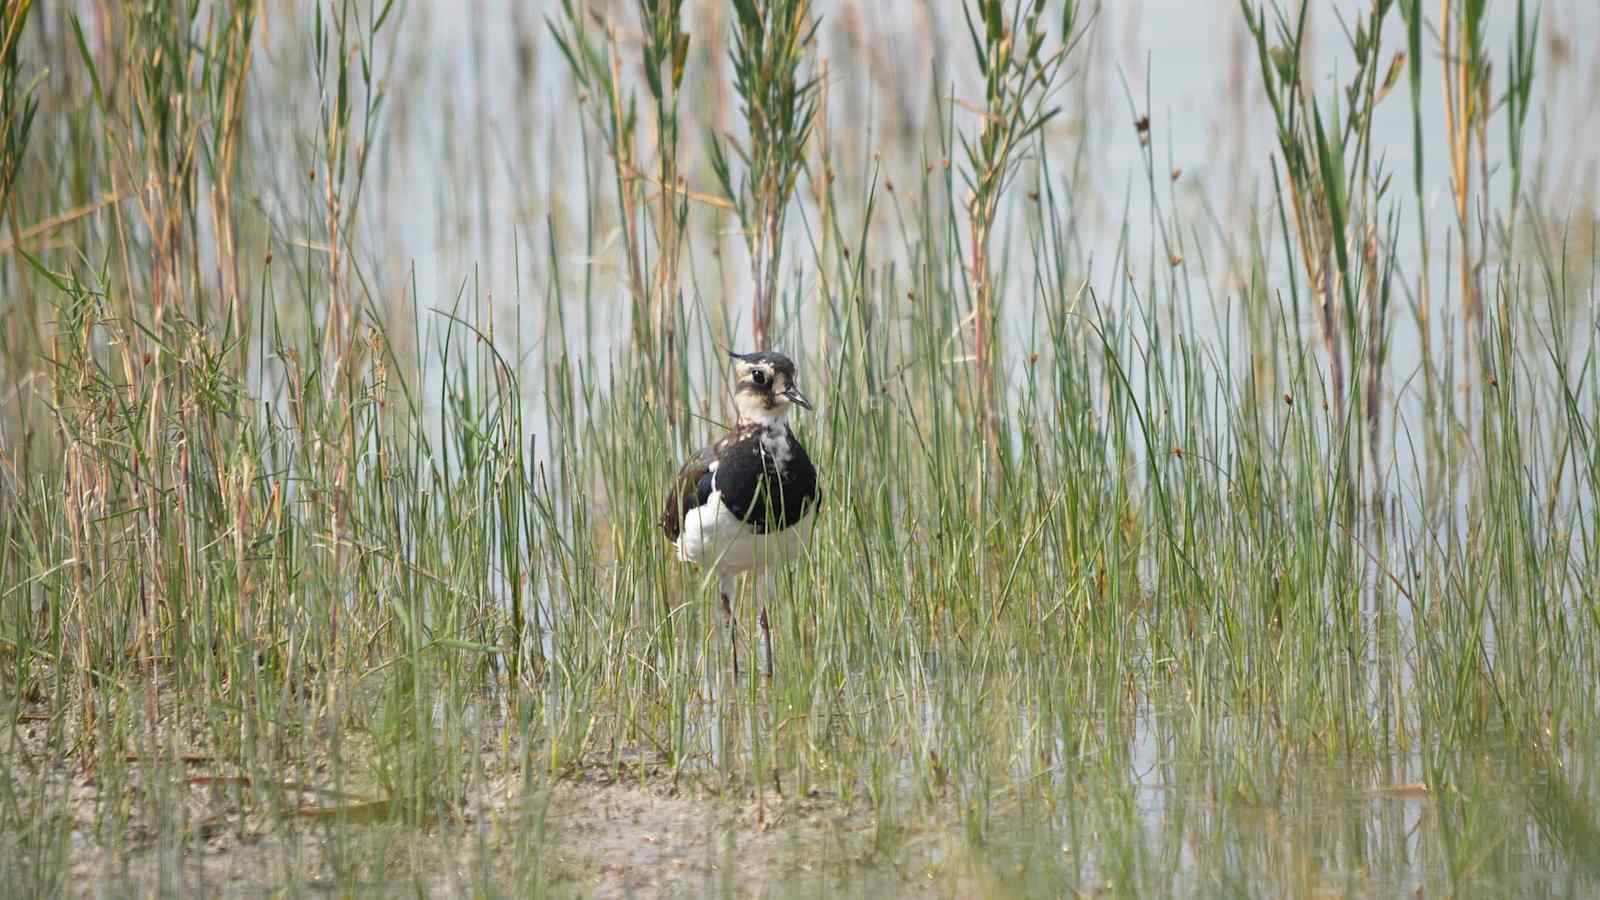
column 589, row 833
column 632, row 841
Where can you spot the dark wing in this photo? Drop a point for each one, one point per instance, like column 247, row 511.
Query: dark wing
column 692, row 488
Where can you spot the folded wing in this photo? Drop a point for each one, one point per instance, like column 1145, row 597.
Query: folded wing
column 691, row 489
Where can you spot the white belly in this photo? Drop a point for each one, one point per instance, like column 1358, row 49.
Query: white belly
column 714, row 536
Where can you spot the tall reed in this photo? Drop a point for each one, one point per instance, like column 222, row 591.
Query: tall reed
column 1020, row 72
column 653, row 230
column 1335, row 191
column 771, row 42
column 17, row 101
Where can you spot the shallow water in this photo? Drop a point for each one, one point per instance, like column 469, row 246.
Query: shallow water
column 1184, row 814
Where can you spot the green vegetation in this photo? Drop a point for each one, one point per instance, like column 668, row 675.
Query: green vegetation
column 315, row 575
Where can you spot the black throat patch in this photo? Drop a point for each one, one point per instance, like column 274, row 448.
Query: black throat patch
column 765, row 477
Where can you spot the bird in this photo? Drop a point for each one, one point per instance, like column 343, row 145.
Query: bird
column 747, row 502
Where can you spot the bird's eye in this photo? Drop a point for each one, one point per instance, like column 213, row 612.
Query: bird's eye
column 759, row 376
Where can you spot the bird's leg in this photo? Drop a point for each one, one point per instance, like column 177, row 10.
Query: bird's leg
column 725, row 585
column 766, row 638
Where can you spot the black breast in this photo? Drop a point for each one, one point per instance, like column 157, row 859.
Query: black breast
column 756, row 487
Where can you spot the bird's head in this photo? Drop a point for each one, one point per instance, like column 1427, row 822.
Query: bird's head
column 764, row 387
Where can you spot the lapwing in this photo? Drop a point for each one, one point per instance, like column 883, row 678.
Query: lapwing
column 746, row 502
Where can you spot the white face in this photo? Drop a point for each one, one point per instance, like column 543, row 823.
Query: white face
column 764, row 390
column 759, row 391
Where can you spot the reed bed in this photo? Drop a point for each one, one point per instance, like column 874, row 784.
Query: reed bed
column 1149, row 571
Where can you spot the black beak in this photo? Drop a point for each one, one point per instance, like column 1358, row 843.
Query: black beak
column 793, row 395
